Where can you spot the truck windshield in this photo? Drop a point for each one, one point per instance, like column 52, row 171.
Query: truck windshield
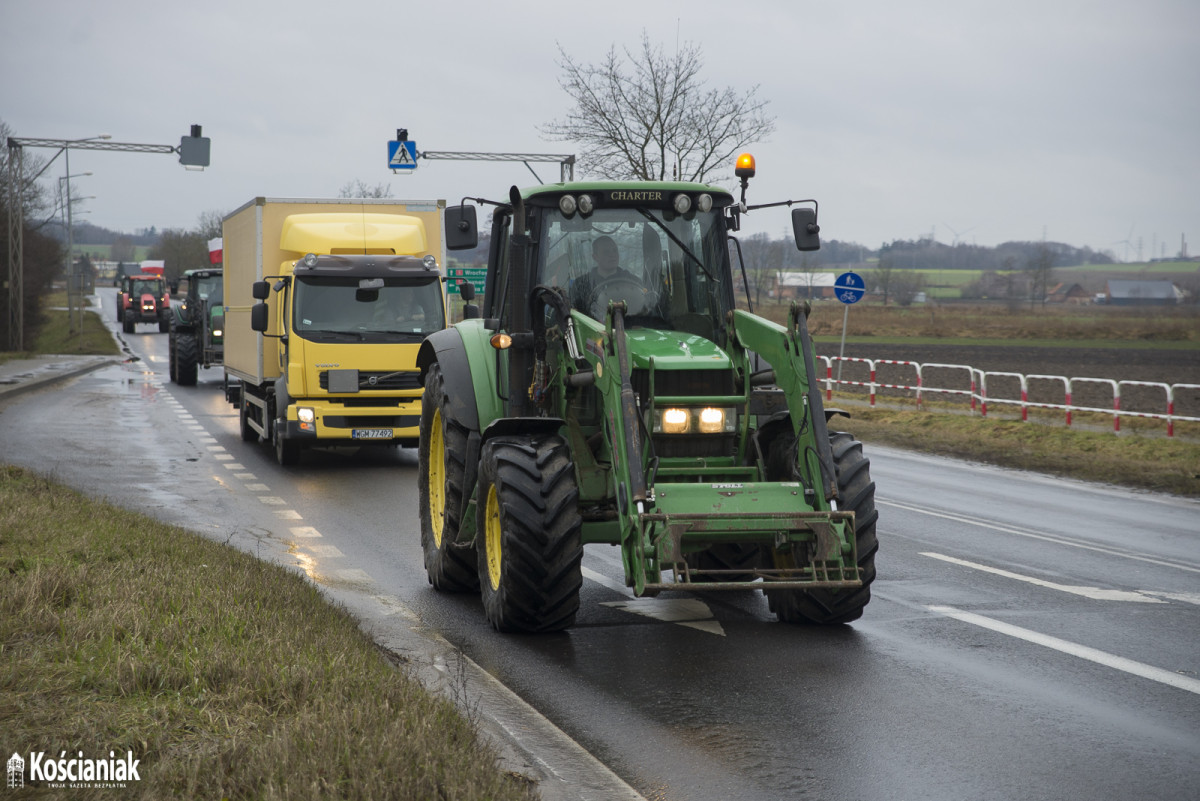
column 337, row 307
column 667, row 267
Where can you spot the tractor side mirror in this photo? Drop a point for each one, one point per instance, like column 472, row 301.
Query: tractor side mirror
column 462, row 231
column 804, row 226
column 261, row 290
column 258, row 317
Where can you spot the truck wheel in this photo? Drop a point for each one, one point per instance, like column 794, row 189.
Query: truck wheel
column 440, row 470
column 287, row 451
column 128, row 321
column 856, row 492
column 529, row 534
column 186, row 356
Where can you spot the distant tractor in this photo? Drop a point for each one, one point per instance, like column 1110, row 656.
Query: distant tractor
column 611, row 392
column 144, row 299
column 197, row 327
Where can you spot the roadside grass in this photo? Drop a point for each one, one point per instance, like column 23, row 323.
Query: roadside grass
column 61, row 335
column 1135, row 461
column 227, row 677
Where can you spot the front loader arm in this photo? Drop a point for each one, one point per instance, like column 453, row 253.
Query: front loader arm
column 789, row 351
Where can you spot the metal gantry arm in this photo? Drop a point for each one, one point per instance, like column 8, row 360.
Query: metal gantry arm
column 16, row 205
column 566, row 162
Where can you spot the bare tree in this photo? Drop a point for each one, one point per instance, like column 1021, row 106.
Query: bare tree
column 648, row 115
column 1040, row 268
column 209, row 225
column 883, row 274
column 357, row 188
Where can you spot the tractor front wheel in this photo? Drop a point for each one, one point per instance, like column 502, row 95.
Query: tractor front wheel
column 440, row 469
column 528, row 538
column 856, row 493
column 186, row 357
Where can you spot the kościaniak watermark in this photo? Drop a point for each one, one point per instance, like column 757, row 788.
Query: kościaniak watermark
column 75, row 772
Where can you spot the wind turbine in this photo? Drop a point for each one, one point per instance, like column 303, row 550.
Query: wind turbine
column 1126, row 241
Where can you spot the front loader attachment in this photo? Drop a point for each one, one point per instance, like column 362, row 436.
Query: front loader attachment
column 817, row 547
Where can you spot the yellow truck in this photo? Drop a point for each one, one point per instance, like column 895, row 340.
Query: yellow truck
column 326, row 305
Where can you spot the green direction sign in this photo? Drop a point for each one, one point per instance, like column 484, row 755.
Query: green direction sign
column 476, row 275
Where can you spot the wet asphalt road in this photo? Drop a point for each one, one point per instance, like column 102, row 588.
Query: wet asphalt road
column 1028, row 637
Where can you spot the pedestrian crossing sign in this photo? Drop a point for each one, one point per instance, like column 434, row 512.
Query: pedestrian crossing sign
column 402, row 155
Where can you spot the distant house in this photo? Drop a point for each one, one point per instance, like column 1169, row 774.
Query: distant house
column 799, row 284
column 1070, row 294
column 1142, row 293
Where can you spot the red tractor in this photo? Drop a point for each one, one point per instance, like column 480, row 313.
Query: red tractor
column 144, row 299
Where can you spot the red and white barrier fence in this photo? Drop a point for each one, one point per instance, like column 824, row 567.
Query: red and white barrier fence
column 976, row 389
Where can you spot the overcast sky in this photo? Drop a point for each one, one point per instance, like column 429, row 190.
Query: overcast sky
column 977, row 121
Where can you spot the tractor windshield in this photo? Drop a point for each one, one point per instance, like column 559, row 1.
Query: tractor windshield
column 207, row 285
column 375, row 310
column 669, row 268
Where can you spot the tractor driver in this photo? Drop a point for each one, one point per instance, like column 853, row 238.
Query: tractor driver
column 608, row 268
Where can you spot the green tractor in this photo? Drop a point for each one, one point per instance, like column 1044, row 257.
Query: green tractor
column 197, row 327
column 611, row 392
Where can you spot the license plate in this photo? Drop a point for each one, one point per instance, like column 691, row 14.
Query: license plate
column 371, row 433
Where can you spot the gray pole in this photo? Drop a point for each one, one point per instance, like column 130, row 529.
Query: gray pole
column 842, row 350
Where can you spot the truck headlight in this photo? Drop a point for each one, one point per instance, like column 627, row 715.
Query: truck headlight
column 305, row 415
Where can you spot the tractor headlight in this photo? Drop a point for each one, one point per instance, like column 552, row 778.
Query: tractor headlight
column 675, row 421
column 217, row 332
column 683, row 203
column 704, row 202
column 586, row 204
column 567, row 205
column 711, row 421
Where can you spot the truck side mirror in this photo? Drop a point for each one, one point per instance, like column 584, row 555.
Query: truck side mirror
column 462, row 232
column 258, row 317
column 261, row 290
column 804, row 226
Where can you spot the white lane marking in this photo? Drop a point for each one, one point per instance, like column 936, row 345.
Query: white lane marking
column 604, row 580
column 245, row 476
column 353, row 574
column 288, row 514
column 325, row 551
column 1073, row 649
column 1038, row 536
column 1185, row 597
column 271, row 500
column 1095, row 593
column 235, row 466
column 223, row 457
column 690, row 612
column 258, row 488
column 305, row 532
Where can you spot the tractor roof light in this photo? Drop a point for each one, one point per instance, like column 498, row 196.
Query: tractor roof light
column 682, row 203
column 586, row 204
column 704, row 203
column 567, row 205
column 430, row 262
column 744, row 168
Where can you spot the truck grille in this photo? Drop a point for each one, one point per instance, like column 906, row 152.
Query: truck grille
column 388, row 381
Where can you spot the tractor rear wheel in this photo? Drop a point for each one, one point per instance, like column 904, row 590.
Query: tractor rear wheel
column 440, row 468
column 856, row 493
column 171, row 371
column 528, row 538
column 186, row 357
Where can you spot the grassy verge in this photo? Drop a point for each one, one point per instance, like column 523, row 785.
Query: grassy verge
column 1138, row 462
column 226, row 677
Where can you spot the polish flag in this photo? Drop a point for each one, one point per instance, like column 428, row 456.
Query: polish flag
column 215, row 250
